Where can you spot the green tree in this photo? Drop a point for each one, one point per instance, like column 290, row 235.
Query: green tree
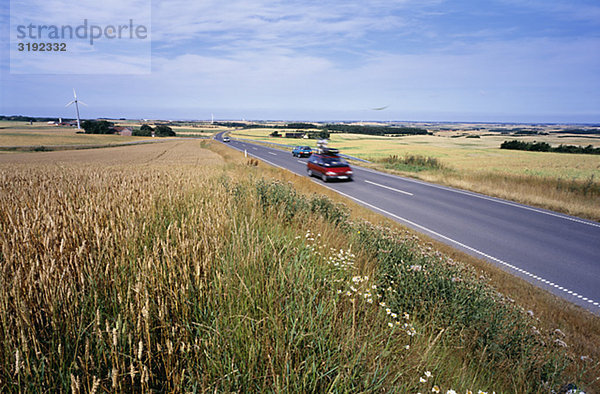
column 144, row 131
column 164, row 131
column 97, row 127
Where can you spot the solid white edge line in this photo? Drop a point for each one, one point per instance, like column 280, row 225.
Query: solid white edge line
column 476, row 195
column 570, row 292
column 449, row 239
column 390, row 188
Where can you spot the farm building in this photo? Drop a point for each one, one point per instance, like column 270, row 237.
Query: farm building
column 294, row 135
column 122, row 130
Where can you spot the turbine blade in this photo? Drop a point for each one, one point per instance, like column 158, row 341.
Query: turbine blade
column 81, row 102
column 74, row 94
column 69, row 103
column 380, row 108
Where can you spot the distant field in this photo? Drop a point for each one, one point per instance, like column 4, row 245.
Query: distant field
column 463, row 154
column 568, row 183
column 21, row 134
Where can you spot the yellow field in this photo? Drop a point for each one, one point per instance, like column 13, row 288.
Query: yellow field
column 176, row 152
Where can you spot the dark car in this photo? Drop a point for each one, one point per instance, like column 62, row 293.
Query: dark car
column 302, row 151
column 328, row 165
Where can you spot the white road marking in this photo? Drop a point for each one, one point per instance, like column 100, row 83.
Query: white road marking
column 570, row 292
column 497, row 200
column 274, row 154
column 254, row 148
column 390, row 188
column 450, row 240
column 300, row 161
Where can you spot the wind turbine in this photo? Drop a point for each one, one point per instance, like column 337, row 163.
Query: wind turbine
column 76, row 107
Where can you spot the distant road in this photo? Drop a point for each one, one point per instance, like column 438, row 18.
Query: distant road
column 556, row 252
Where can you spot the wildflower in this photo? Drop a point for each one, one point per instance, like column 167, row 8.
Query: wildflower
column 450, row 392
column 416, row 268
column 406, row 316
column 435, row 389
column 391, row 324
column 339, row 292
column 393, row 315
column 388, row 310
column 407, row 347
column 382, row 303
column 482, row 392
column 560, row 343
column 422, row 380
column 370, row 300
column 428, row 374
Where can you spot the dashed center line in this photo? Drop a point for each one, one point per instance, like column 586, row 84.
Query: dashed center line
column 274, row 154
column 390, row 188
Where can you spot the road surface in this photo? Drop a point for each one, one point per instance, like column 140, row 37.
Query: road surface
column 556, row 252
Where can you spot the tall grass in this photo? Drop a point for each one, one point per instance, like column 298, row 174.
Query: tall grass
column 183, row 279
column 412, row 163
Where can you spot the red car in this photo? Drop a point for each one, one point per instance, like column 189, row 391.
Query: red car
column 327, row 165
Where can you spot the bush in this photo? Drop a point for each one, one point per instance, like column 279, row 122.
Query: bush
column 412, row 163
column 319, row 135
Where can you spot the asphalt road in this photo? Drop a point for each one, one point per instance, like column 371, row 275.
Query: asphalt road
column 556, row 252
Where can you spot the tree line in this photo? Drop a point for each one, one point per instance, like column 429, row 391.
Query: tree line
column 376, row 130
column 106, row 127
column 546, row 147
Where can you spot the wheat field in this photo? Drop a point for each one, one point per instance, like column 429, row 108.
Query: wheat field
column 175, row 267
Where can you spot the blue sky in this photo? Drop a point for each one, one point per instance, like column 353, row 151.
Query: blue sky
column 427, row 60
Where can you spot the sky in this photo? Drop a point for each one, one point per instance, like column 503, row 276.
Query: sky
column 534, row 61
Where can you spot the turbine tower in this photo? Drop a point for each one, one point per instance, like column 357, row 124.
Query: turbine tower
column 76, row 107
